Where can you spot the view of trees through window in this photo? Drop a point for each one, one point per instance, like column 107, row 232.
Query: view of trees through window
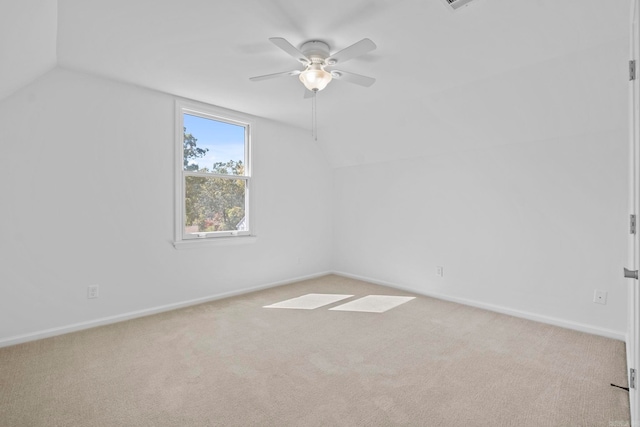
column 214, row 186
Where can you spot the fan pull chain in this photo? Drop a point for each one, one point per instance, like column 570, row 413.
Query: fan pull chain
column 314, row 118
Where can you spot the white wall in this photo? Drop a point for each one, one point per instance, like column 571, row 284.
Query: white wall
column 533, row 228
column 522, row 200
column 86, row 177
column 525, row 207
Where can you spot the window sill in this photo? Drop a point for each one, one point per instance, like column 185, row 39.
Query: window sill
column 214, row 241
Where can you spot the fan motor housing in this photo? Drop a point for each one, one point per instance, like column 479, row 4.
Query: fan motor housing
column 315, row 50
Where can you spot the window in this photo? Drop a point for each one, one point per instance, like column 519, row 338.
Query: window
column 213, row 177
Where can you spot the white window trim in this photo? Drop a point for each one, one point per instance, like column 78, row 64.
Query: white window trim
column 220, row 237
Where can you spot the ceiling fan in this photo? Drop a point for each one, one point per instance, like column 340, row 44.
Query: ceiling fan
column 315, row 56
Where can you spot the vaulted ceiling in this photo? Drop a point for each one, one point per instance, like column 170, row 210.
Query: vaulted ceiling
column 28, row 31
column 496, row 72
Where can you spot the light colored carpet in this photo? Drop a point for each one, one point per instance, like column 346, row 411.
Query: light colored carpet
column 234, row 363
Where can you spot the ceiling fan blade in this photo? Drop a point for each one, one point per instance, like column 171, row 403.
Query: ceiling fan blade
column 290, row 49
column 353, row 78
column 274, row 75
column 356, row 49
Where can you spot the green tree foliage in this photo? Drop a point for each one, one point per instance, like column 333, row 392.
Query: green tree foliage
column 213, row 203
column 191, row 151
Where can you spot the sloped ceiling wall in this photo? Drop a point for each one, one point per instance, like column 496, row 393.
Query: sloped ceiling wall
column 575, row 94
column 434, row 68
column 546, row 65
column 28, row 33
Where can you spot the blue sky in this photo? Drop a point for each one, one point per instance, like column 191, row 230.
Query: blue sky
column 225, row 141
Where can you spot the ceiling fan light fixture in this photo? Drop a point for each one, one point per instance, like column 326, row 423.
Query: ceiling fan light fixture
column 315, row 78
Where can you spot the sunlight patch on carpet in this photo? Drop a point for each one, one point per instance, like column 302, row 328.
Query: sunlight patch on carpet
column 309, row 301
column 373, row 303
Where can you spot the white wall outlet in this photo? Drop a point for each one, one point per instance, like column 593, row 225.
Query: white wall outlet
column 92, row 291
column 600, row 297
column 440, row 271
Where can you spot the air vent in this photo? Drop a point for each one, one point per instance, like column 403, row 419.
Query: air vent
column 456, row 4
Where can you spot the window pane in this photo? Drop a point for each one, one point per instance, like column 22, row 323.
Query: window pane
column 213, row 146
column 214, row 204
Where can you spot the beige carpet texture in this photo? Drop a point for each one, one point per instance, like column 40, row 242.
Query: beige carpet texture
column 233, row 362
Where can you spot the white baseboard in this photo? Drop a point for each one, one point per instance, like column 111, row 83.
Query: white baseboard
column 18, row 339
column 568, row 324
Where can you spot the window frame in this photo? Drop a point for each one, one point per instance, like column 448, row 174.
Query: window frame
column 211, row 112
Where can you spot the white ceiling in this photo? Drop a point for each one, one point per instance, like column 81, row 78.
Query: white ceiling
column 27, row 41
column 499, row 71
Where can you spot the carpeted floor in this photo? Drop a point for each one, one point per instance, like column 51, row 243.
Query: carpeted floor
column 234, row 363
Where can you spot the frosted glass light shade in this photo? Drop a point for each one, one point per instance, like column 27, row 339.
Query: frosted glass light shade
column 315, row 78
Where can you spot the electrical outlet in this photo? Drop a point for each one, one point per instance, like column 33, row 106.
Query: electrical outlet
column 92, row 291
column 440, row 271
column 600, row 297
